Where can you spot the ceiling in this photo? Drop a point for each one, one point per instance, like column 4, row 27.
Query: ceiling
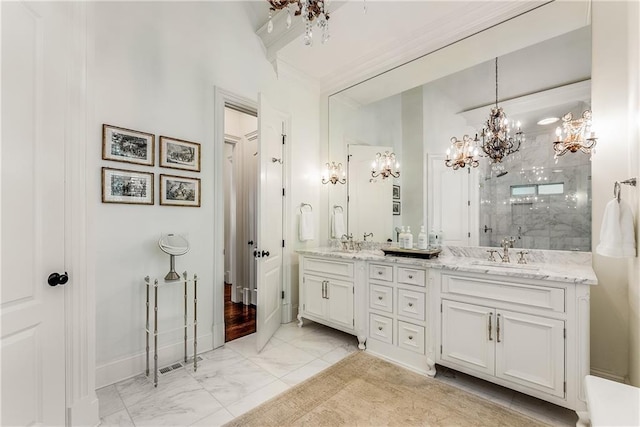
column 389, row 33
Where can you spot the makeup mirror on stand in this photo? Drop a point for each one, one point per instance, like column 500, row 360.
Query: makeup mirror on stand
column 174, row 245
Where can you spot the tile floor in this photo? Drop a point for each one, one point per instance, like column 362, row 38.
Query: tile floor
column 236, row 378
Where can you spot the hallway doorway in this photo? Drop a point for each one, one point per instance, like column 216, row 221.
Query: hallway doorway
column 240, row 186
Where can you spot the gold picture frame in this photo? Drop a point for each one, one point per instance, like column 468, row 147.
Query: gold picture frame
column 127, row 187
column 128, row 145
column 179, row 154
column 179, row 191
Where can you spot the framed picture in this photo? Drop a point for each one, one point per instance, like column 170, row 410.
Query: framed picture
column 126, row 145
column 179, row 191
column 131, row 187
column 396, row 208
column 179, row 154
column 396, row 192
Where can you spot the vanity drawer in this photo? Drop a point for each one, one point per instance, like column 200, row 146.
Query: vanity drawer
column 381, row 298
column 381, row 328
column 540, row 297
column 411, row 304
column 381, row 272
column 336, row 268
column 411, row 337
column 411, row 276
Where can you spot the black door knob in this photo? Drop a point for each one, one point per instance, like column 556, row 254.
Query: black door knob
column 265, row 253
column 250, row 242
column 56, row 279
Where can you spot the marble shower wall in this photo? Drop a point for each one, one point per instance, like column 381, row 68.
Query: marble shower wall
column 559, row 221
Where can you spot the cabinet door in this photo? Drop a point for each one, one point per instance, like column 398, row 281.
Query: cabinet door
column 468, row 336
column 530, row 351
column 312, row 295
column 340, row 302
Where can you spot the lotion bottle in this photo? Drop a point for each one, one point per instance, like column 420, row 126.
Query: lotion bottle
column 432, row 238
column 408, row 240
column 401, row 237
column 422, row 239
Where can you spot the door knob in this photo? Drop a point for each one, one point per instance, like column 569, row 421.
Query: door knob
column 56, row 279
column 250, row 242
column 265, row 253
column 256, row 254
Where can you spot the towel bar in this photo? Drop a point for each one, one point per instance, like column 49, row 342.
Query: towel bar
column 302, row 205
column 616, row 187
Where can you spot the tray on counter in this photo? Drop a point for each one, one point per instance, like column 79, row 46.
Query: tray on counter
column 412, row 253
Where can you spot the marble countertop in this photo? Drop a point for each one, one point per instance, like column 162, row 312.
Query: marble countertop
column 564, row 270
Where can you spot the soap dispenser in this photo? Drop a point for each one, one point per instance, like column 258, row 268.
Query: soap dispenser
column 422, row 239
column 408, row 240
column 401, row 237
column 432, row 238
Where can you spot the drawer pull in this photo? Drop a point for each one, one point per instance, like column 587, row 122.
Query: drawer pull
column 498, row 327
column 490, row 322
column 410, row 337
column 411, row 276
column 379, row 328
column 380, row 272
column 410, row 304
column 380, row 298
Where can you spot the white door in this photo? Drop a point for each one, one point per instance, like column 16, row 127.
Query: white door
column 468, row 336
column 339, row 300
column 270, row 201
column 530, row 351
column 34, row 60
column 370, row 199
column 452, row 202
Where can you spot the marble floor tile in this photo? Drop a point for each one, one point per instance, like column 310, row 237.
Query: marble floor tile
column 119, row 418
column 216, row 419
column 257, row 397
column 283, row 359
column 222, row 356
column 290, row 331
column 321, row 343
column 339, row 353
column 305, row 372
column 178, row 409
column 230, row 383
column 110, row 401
column 248, row 347
column 543, row 410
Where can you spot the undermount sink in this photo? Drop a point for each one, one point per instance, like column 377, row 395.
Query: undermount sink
column 499, row 264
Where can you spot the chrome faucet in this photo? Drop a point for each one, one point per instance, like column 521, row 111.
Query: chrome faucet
column 507, row 243
column 367, row 235
column 347, row 240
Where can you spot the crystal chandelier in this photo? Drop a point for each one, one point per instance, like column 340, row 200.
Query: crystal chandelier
column 385, row 165
column 497, row 143
column 577, row 135
column 310, row 10
column 464, row 153
column 333, row 172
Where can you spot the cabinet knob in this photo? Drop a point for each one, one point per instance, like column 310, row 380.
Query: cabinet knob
column 410, row 337
column 411, row 276
column 380, row 272
column 380, row 298
column 379, row 328
column 410, row 304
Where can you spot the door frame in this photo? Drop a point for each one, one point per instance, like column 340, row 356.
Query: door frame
column 221, row 98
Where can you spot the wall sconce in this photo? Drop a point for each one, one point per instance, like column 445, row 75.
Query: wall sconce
column 333, row 172
column 385, row 165
column 577, row 135
column 464, row 153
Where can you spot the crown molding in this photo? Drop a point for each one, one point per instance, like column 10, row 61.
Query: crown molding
column 286, row 71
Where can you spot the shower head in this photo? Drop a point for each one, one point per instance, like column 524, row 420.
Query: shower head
column 503, row 173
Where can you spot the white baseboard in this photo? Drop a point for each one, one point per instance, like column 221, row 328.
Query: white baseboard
column 84, row 412
column 112, row 372
column 608, row 375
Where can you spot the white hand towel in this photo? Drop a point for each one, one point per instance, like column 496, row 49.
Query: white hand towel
column 306, row 226
column 337, row 228
column 617, row 235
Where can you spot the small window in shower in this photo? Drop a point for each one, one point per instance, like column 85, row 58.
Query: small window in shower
column 523, row 190
column 550, row 189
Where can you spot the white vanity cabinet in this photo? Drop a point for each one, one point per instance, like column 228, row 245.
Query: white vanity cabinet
column 528, row 335
column 398, row 315
column 327, row 290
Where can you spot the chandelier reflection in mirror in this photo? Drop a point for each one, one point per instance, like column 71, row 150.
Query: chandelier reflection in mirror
column 577, row 135
column 497, row 142
column 464, row 153
column 333, row 172
column 385, row 165
column 310, row 10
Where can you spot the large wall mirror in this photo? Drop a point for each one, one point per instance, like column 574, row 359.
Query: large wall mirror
column 544, row 203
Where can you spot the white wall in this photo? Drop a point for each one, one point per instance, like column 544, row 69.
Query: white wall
column 611, row 95
column 153, row 67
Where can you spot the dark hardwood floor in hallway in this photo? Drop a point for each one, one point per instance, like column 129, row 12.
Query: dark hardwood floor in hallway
column 239, row 319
